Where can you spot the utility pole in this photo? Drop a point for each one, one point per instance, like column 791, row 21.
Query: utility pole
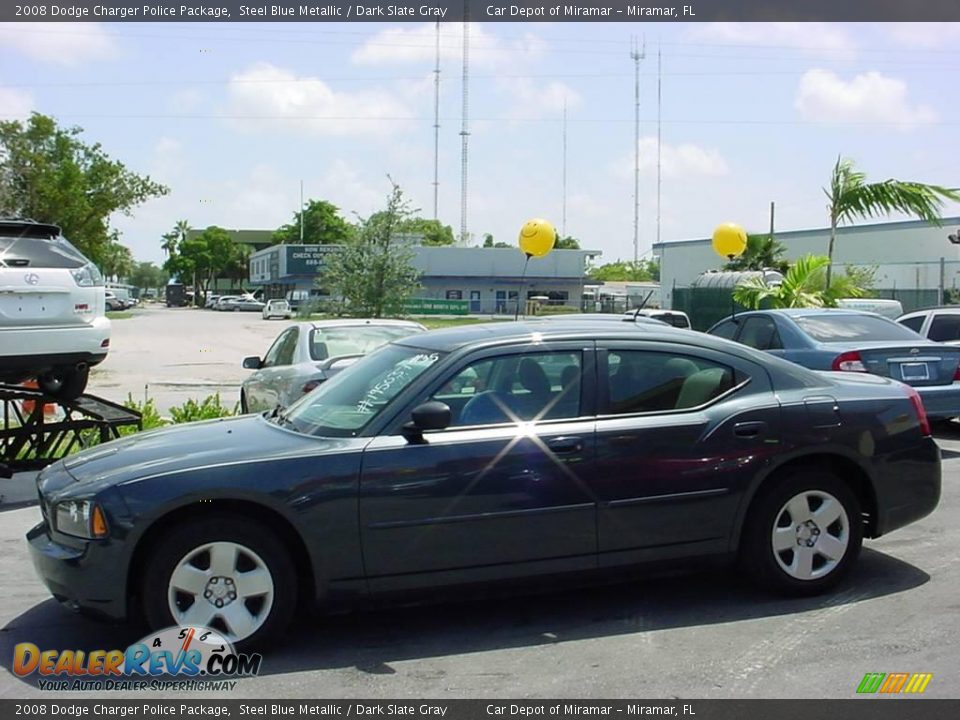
column 772, row 208
column 436, row 130
column 301, row 212
column 637, row 53
column 563, row 214
column 465, row 123
column 659, row 133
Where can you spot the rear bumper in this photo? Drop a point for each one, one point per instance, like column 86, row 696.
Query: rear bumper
column 38, row 349
column 941, row 401
column 909, row 488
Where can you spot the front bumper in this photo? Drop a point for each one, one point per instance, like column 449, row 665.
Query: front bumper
column 87, row 578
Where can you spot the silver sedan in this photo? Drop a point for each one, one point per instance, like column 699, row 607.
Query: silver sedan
column 307, row 353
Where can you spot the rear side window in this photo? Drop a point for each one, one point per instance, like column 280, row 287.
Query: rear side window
column 725, row 330
column 847, row 327
column 914, row 323
column 36, row 252
column 674, row 319
column 944, row 328
column 760, row 332
column 640, row 381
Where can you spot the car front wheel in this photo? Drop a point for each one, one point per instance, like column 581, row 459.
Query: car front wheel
column 226, row 574
column 803, row 534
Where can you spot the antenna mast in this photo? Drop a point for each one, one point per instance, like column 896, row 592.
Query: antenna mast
column 436, row 130
column 659, row 133
column 563, row 214
column 637, row 53
column 464, row 128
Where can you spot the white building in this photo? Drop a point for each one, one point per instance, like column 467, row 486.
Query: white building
column 907, row 254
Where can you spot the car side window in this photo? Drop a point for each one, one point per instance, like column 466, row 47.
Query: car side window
column 289, row 348
column 514, row 388
column 272, row 357
column 761, row 333
column 914, row 323
column 944, row 328
column 726, row 330
column 641, row 381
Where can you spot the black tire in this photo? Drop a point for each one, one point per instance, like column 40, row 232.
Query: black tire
column 188, row 539
column 64, row 384
column 767, row 567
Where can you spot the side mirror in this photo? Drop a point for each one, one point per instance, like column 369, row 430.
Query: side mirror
column 252, row 363
column 431, row 415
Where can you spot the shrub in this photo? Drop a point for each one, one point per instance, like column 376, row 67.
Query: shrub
column 209, row 408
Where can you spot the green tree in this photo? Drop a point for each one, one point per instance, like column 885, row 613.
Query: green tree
column 626, row 270
column 567, row 243
column 205, row 257
column 322, row 225
column 851, row 197
column 763, row 252
column 147, row 275
column 49, row 174
column 116, row 260
column 375, row 275
column 804, row 285
column 433, row 231
column 176, row 235
column 488, row 242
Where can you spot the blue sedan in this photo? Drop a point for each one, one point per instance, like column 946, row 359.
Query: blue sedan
column 846, row 340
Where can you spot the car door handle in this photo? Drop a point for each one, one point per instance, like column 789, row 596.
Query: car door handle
column 565, row 445
column 750, row 429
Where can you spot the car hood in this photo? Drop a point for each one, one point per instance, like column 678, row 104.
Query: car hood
column 186, row 447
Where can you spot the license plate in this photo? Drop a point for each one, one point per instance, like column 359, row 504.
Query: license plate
column 915, row 371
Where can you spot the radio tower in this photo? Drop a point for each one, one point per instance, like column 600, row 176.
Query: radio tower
column 637, row 53
column 436, row 130
column 464, row 127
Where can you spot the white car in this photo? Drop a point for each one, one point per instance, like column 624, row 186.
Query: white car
column 277, row 309
column 308, row 353
column 940, row 324
column 676, row 318
column 53, row 325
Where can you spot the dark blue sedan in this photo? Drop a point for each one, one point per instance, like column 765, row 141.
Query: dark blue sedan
column 486, row 454
column 851, row 341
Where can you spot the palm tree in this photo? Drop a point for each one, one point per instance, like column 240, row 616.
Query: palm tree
column 175, row 236
column 804, row 285
column 763, row 252
column 851, row 198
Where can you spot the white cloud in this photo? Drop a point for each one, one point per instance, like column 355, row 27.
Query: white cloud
column 417, row 43
column 825, row 97
column 530, row 100
column 59, row 43
column 15, row 104
column 684, row 160
column 310, row 105
column 813, row 36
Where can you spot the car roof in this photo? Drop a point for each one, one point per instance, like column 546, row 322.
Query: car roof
column 934, row 308
column 29, row 228
column 593, row 317
column 353, row 322
column 805, row 312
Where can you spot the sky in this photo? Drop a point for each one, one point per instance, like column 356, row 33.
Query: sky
column 232, row 117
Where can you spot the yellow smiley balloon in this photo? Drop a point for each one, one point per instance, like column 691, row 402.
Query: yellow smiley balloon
column 537, row 237
column 729, row 240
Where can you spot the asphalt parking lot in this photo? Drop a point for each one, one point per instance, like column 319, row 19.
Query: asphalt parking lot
column 696, row 636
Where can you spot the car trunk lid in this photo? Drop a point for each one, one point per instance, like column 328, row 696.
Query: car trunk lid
column 919, row 364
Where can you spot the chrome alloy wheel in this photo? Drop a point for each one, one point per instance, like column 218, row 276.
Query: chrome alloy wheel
column 223, row 586
column 811, row 535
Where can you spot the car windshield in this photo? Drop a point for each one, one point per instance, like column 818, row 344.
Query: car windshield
column 841, row 328
column 352, row 399
column 37, row 252
column 331, row 342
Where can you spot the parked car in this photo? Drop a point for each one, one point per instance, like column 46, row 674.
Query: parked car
column 887, row 308
column 851, row 341
column 113, row 303
column 53, row 325
column 277, row 309
column 940, row 324
column 599, row 317
column 451, row 458
column 676, row 318
column 309, row 353
column 245, row 304
column 211, row 301
column 224, row 302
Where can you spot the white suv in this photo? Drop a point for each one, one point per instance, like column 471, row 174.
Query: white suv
column 52, row 322
column 940, row 324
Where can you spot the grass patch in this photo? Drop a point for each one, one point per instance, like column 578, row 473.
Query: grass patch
column 119, row 314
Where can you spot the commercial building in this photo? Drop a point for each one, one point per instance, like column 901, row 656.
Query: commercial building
column 912, row 258
column 480, row 280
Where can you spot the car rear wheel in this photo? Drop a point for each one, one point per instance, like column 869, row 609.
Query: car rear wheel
column 64, row 384
column 803, row 534
column 226, row 574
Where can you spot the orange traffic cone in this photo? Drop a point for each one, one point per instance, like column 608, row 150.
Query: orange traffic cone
column 49, row 409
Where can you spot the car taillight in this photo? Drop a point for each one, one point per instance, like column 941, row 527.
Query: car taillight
column 917, row 403
column 956, row 374
column 849, row 362
column 310, row 385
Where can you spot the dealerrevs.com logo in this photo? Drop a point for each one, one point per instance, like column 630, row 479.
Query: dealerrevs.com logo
column 178, row 658
column 894, row 683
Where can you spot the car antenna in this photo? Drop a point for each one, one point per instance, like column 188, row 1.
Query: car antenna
column 642, row 304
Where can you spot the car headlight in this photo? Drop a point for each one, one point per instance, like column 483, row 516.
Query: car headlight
column 87, row 276
column 81, row 518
